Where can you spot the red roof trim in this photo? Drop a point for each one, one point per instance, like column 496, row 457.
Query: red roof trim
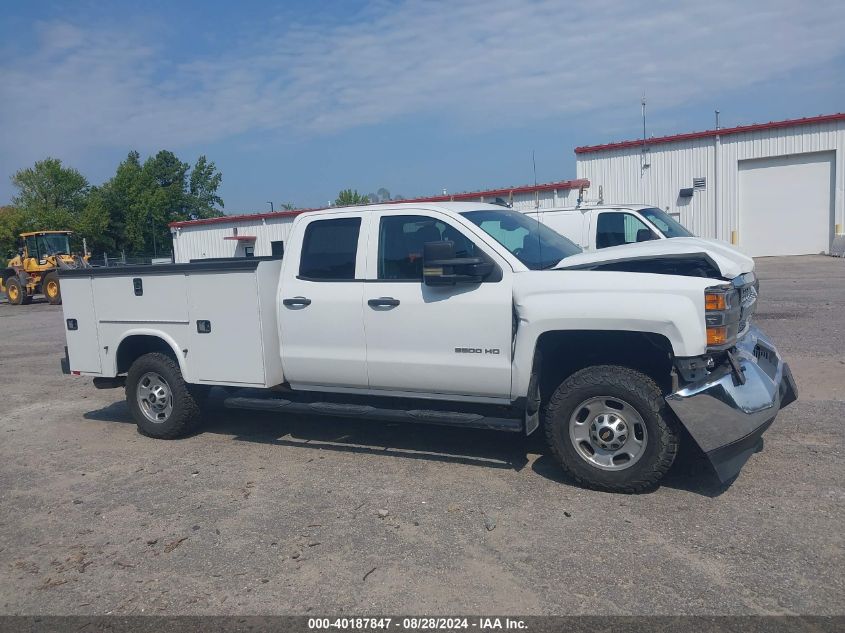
column 564, row 185
column 241, row 238
column 237, row 218
column 494, row 193
column 772, row 125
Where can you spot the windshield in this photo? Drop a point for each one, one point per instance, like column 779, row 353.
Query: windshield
column 53, row 244
column 667, row 225
column 531, row 242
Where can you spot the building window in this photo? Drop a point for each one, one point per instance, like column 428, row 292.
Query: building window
column 277, row 249
column 249, row 251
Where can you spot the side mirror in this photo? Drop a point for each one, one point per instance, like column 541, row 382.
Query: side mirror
column 644, row 235
column 442, row 268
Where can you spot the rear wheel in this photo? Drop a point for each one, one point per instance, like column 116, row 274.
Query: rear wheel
column 159, row 398
column 609, row 428
column 51, row 289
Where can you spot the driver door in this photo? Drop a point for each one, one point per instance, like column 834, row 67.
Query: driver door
column 433, row 339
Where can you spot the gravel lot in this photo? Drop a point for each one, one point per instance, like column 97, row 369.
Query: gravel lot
column 265, row 515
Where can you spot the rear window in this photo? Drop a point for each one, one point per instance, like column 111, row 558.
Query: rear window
column 329, row 249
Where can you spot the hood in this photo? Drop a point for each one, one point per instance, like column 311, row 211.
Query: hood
column 693, row 256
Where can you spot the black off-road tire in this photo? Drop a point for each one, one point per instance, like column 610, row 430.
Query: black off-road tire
column 52, row 278
column 185, row 416
column 643, row 394
column 15, row 292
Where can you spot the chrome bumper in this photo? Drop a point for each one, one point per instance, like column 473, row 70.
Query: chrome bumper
column 726, row 414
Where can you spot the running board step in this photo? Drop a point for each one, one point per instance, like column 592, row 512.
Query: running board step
column 426, row 416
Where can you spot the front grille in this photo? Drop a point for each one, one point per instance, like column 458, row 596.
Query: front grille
column 747, row 300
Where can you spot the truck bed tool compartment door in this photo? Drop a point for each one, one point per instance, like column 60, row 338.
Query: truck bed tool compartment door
column 81, row 325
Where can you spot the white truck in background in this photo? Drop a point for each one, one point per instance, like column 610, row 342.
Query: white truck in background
column 594, row 227
column 458, row 314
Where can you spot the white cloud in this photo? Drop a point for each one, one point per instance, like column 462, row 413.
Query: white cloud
column 487, row 64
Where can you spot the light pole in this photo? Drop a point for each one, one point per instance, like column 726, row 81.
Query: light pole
column 270, row 202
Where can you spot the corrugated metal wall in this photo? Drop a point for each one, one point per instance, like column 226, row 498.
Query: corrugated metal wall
column 674, row 165
column 207, row 240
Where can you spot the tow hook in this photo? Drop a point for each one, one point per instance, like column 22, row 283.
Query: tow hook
column 738, row 373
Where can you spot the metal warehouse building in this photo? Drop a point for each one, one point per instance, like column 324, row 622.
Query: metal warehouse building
column 260, row 233
column 771, row 189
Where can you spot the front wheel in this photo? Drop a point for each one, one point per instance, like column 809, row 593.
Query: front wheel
column 159, row 399
column 609, row 428
column 51, row 288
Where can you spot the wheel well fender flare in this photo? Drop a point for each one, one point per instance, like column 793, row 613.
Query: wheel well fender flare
column 649, row 352
column 166, row 343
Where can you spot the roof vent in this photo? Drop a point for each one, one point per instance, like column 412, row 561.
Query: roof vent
column 699, row 183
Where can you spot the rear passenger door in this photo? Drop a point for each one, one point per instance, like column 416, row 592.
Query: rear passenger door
column 321, row 294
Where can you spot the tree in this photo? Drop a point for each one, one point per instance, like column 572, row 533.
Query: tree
column 130, row 211
column 348, row 197
column 204, row 182
column 93, row 222
column 50, row 196
column 288, row 206
column 119, row 194
column 11, row 225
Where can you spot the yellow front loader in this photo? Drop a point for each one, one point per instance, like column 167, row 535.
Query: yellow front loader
column 34, row 270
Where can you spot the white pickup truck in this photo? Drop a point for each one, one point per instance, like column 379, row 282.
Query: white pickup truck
column 594, row 227
column 459, row 314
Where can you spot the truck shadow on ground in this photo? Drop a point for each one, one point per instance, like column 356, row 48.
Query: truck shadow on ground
column 473, row 447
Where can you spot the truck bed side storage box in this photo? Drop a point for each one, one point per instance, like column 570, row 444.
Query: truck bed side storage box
column 219, row 318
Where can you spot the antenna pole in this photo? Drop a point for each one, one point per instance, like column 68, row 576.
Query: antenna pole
column 537, row 210
column 643, row 105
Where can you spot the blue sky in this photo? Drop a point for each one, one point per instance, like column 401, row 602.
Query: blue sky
column 297, row 100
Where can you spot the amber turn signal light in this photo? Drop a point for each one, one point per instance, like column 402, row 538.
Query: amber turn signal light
column 715, row 301
column 717, row 335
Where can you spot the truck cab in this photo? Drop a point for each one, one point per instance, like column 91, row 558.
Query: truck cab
column 458, row 314
column 594, row 227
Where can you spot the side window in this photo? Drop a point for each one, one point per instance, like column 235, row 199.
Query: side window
column 401, row 240
column 329, row 249
column 32, row 247
column 615, row 229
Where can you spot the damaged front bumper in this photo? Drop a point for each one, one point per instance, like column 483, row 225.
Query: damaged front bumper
column 727, row 412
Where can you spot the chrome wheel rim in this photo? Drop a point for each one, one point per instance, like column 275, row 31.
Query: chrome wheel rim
column 155, row 398
column 608, row 433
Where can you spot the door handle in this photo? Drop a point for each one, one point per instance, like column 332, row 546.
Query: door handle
column 297, row 301
column 383, row 302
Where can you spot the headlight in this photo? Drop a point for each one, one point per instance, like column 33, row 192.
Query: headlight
column 722, row 312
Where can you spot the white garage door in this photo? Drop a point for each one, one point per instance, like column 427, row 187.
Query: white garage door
column 786, row 204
